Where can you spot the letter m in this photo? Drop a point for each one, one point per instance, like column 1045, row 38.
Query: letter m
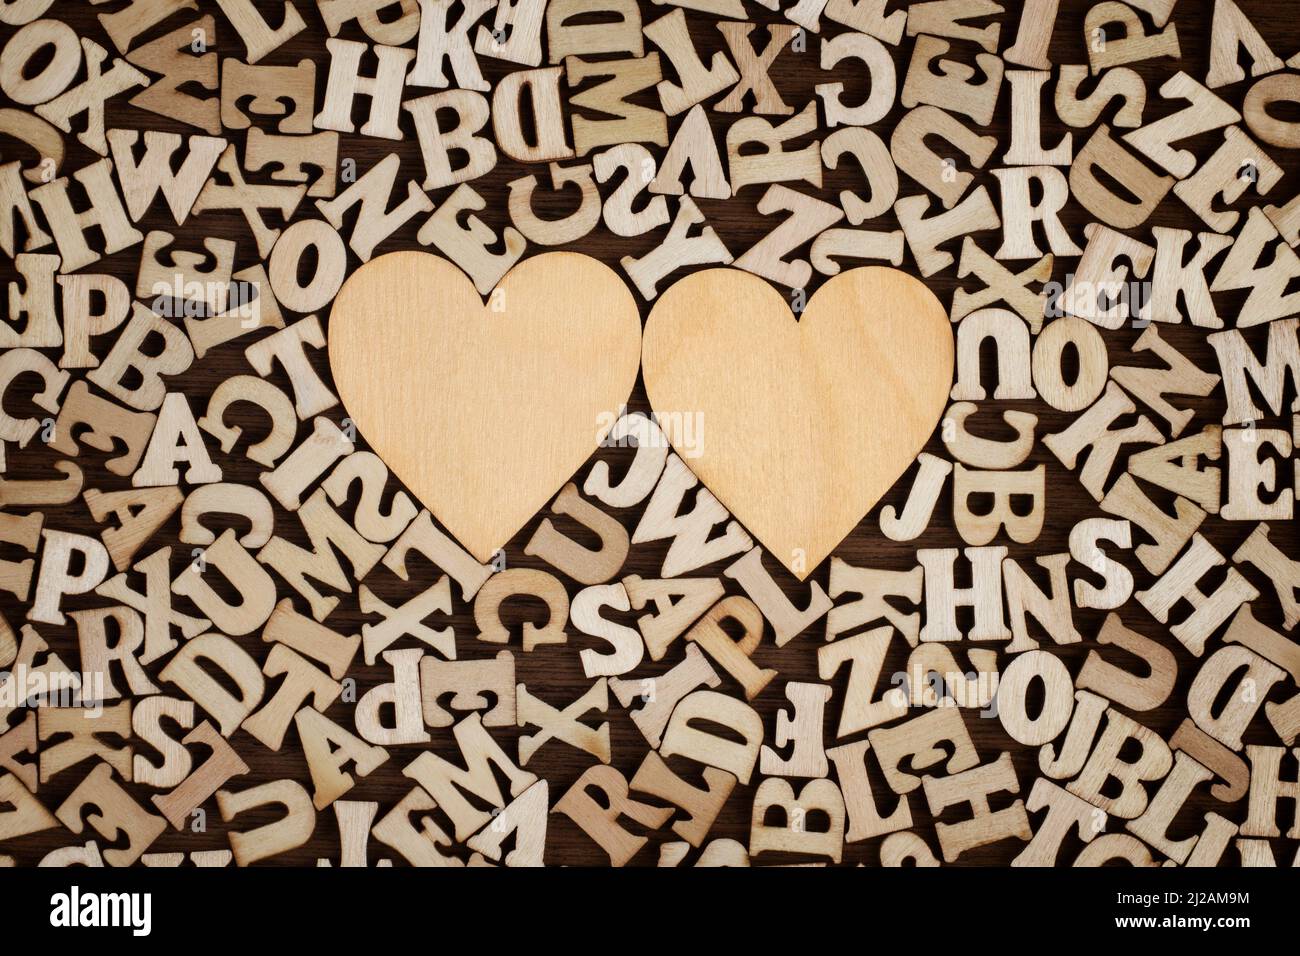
column 448, row 784
column 1240, row 367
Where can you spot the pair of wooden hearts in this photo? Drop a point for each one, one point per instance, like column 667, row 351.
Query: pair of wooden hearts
column 484, row 411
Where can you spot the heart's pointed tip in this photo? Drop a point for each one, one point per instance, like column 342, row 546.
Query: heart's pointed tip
column 483, row 552
column 483, row 544
column 802, row 565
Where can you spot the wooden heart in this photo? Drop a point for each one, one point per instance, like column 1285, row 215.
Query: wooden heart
column 484, row 411
column 803, row 425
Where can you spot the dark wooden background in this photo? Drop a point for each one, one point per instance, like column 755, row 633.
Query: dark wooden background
column 554, row 672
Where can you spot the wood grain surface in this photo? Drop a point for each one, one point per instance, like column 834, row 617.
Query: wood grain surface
column 446, row 389
column 555, row 671
column 802, row 425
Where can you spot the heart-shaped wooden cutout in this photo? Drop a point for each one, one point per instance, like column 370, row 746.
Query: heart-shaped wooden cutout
column 803, row 425
column 484, row 411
